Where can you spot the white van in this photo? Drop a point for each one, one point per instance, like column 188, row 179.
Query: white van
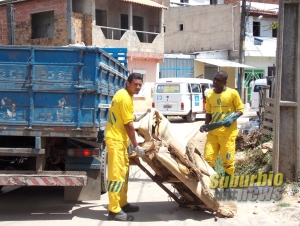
column 255, row 93
column 180, row 96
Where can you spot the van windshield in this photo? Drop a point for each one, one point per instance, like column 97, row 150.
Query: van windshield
column 168, row 88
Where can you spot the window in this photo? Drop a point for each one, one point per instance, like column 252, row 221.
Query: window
column 138, row 25
column 124, row 23
column 181, row 27
column 256, row 28
column 101, row 20
column 195, row 88
column 77, row 6
column 168, row 88
column 274, row 33
column 101, row 17
column 42, row 25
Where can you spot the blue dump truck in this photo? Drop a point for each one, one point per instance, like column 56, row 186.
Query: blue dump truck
column 54, row 103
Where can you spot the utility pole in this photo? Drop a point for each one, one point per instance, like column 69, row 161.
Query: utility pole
column 286, row 139
column 241, row 76
column 10, row 24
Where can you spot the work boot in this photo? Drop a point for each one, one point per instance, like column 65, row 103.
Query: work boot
column 130, row 209
column 121, row 216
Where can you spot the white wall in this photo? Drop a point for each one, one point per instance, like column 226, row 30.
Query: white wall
column 261, row 62
column 195, row 2
column 205, row 28
column 265, row 23
column 213, row 55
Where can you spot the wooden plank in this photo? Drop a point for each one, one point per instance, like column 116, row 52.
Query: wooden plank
column 269, row 116
column 268, row 124
column 269, row 108
column 266, row 132
column 269, row 101
column 173, row 180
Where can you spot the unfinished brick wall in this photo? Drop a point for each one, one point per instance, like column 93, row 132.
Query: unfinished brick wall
column 82, row 25
column 261, row 1
column 3, row 26
column 23, row 28
column 88, row 29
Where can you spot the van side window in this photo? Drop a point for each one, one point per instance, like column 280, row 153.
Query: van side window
column 195, row 88
column 168, row 88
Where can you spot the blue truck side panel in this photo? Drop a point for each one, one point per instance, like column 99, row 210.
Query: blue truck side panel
column 69, row 88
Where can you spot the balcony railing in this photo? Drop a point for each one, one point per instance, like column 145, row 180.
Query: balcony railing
column 117, row 33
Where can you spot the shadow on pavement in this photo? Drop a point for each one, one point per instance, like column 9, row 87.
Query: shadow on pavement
column 46, row 203
column 149, row 212
column 35, row 203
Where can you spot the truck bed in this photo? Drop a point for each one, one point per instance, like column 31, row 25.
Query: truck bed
column 57, row 91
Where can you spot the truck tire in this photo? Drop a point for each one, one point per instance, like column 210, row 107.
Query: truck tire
column 191, row 117
column 103, row 171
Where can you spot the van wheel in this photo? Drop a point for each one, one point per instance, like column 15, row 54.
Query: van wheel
column 191, row 117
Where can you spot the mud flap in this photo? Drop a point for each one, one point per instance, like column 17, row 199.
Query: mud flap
column 92, row 191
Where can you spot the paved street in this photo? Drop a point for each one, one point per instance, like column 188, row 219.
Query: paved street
column 33, row 206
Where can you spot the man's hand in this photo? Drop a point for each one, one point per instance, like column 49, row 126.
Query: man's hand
column 139, row 151
column 203, row 128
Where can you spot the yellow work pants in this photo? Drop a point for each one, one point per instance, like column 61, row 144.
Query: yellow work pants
column 225, row 145
column 118, row 169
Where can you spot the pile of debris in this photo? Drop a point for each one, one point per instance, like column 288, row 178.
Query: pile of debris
column 249, row 141
column 178, row 162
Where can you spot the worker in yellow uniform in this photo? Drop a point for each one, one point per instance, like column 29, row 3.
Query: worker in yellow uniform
column 119, row 129
column 223, row 108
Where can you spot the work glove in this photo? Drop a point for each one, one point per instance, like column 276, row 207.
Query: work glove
column 209, row 127
column 141, row 152
column 230, row 119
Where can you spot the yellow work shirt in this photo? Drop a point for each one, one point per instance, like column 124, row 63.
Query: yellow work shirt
column 222, row 105
column 120, row 113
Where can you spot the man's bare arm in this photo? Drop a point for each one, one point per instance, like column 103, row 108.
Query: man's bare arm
column 131, row 133
column 208, row 118
column 239, row 113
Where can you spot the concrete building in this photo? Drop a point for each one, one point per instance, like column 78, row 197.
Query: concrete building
column 174, row 3
column 132, row 24
column 261, row 1
column 204, row 31
column 211, row 35
column 261, row 39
